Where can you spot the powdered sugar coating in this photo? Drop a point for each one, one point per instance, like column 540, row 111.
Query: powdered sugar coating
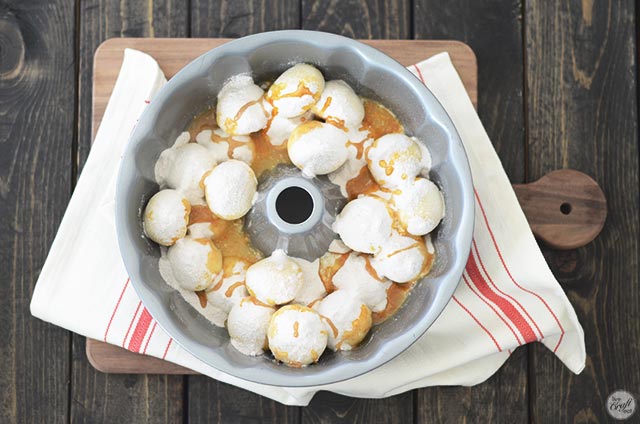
column 239, row 110
column 317, row 148
column 420, row 206
column 182, row 168
column 166, row 217
column 231, row 289
column 248, row 323
column 349, row 319
column 275, row 280
column 195, row 262
column 339, row 105
column 402, row 258
column 364, row 224
column 280, row 128
column 312, row 287
column 230, row 189
column 297, row 335
column 296, row 90
column 217, row 142
column 356, row 278
column 395, row 159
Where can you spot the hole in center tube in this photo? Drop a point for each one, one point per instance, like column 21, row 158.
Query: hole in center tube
column 294, row 205
column 565, row 208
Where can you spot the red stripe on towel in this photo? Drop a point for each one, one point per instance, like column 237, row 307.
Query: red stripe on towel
column 131, row 324
column 479, row 323
column 149, row 338
column 493, row 309
column 113, row 314
column 419, row 73
column 507, row 308
column 141, row 329
column 167, row 349
column 503, row 293
column 484, row 215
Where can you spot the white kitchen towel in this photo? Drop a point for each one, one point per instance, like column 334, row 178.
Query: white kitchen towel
column 507, row 296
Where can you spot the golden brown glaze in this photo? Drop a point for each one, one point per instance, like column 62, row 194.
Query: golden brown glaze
column 379, row 120
column 267, row 156
column 396, row 295
column 359, row 328
column 202, row 297
column 363, row 183
column 235, row 242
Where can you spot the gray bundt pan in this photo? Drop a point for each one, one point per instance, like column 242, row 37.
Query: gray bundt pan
column 372, row 74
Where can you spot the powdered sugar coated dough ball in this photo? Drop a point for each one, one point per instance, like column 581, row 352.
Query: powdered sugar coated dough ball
column 296, row 90
column 247, row 324
column 364, row 224
column 230, row 189
column 297, row 335
column 317, row 148
column 240, row 110
column 420, row 206
column 394, row 160
column 195, row 262
column 166, row 217
column 275, row 280
column 349, row 319
column 340, row 105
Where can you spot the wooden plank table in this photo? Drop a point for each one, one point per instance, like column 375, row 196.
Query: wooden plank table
column 557, row 88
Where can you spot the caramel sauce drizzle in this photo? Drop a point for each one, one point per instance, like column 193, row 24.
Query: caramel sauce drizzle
column 396, row 296
column 326, row 105
column 275, row 92
column 359, row 147
column 203, row 121
column 232, row 288
column 359, row 328
column 232, row 143
column 378, row 120
column 215, row 287
column 326, row 272
column 230, row 237
column 333, row 327
column 363, row 183
column 372, row 272
column 388, row 166
column 404, row 249
column 255, row 301
column 338, row 123
column 235, row 242
column 267, row 156
column 202, row 297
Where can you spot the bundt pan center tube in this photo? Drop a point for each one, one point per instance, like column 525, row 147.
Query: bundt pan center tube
column 372, row 74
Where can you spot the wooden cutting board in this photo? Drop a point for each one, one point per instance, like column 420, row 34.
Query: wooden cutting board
column 565, row 208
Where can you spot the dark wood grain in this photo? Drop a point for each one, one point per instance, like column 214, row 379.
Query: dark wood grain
column 97, row 397
column 231, row 18
column 122, row 398
column 37, row 95
column 493, row 29
column 582, row 113
column 104, row 19
column 209, row 400
column 358, row 19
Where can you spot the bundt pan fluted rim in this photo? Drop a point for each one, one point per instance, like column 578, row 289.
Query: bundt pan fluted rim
column 372, row 74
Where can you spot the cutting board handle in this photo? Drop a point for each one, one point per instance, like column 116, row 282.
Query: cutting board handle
column 565, row 208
